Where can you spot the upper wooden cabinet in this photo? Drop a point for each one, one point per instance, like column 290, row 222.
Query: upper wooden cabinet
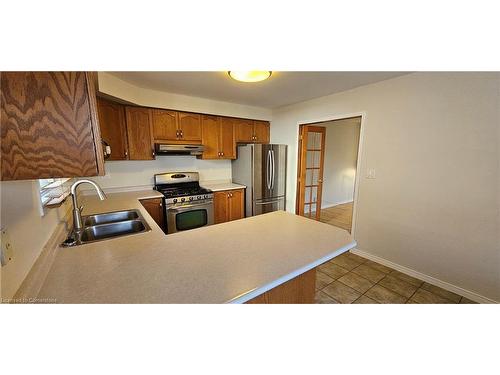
column 176, row 127
column 218, row 137
column 243, row 130
column 251, row 131
column 139, row 124
column 165, row 125
column 261, row 131
column 49, row 126
column 190, row 127
column 113, row 128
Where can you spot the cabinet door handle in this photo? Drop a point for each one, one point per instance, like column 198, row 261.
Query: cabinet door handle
column 126, row 154
column 222, row 154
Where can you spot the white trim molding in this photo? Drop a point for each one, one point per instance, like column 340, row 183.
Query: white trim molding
column 431, row 280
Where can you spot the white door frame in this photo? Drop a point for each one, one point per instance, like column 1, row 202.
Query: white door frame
column 358, row 163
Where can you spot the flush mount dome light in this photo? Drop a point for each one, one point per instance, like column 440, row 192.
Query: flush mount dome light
column 250, row 76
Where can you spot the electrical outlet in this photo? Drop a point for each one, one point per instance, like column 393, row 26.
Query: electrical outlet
column 6, row 250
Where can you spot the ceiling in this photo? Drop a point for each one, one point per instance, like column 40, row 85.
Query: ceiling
column 283, row 88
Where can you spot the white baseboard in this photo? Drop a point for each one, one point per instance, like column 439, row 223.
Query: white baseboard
column 431, row 280
column 332, row 204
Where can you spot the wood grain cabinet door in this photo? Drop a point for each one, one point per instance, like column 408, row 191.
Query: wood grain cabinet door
column 261, row 131
column 221, row 207
column 244, row 130
column 227, row 144
column 210, row 136
column 49, row 126
column 139, row 133
column 236, row 204
column 113, row 128
column 190, row 127
column 165, row 125
column 154, row 206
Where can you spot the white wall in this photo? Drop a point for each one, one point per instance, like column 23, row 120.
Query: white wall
column 140, row 173
column 27, row 229
column 433, row 139
column 341, row 155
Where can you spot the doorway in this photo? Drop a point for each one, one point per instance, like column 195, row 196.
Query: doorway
column 326, row 173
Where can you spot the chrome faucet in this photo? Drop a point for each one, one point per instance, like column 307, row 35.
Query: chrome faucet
column 77, row 211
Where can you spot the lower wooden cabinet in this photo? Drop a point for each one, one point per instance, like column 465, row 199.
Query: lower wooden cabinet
column 300, row 289
column 229, row 205
column 154, row 206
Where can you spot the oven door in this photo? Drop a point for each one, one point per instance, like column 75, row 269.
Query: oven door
column 189, row 216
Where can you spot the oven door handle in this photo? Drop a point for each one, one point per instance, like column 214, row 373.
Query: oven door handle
column 188, row 207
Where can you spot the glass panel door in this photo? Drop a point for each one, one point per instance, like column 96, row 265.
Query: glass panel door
column 310, row 176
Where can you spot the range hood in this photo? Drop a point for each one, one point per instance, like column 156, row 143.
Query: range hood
column 172, row 149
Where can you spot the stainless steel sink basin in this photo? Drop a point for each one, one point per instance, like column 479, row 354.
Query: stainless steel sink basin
column 106, row 226
column 109, row 217
column 110, row 230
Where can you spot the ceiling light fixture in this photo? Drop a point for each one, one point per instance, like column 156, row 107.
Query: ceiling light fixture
column 250, row 76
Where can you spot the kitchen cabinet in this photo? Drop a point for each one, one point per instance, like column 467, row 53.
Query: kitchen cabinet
column 176, row 127
column 229, row 205
column 252, row 131
column 261, row 131
column 113, row 128
column 244, row 130
column 300, row 289
column 190, row 127
column 165, row 125
column 139, row 121
column 154, row 206
column 49, row 126
column 218, row 137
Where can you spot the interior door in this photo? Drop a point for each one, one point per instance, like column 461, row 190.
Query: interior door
column 310, row 172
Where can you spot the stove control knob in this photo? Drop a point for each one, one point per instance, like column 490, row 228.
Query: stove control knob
column 205, row 196
column 183, row 199
column 198, row 197
column 191, row 198
column 175, row 200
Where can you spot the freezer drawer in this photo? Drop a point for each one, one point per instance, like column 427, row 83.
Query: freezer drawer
column 268, row 205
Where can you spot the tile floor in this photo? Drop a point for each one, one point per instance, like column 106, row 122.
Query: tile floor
column 339, row 216
column 350, row 278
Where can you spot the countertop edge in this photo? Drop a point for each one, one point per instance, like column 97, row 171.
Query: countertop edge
column 258, row 291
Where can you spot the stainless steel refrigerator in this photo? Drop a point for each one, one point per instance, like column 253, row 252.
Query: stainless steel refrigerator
column 262, row 168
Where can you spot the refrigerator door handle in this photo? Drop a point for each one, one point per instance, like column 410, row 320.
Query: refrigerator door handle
column 268, row 170
column 273, row 169
column 268, row 202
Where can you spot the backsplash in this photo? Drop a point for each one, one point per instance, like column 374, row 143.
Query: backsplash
column 124, row 174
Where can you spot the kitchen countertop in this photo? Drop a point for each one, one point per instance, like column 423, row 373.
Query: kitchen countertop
column 226, row 263
column 220, row 186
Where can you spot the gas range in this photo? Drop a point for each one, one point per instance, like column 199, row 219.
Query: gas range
column 181, row 187
column 187, row 204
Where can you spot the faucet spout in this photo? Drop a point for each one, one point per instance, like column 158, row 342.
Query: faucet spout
column 77, row 216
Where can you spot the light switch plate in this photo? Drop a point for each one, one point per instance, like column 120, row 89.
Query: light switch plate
column 6, row 250
column 371, row 173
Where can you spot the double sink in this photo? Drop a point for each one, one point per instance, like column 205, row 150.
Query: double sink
column 108, row 225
